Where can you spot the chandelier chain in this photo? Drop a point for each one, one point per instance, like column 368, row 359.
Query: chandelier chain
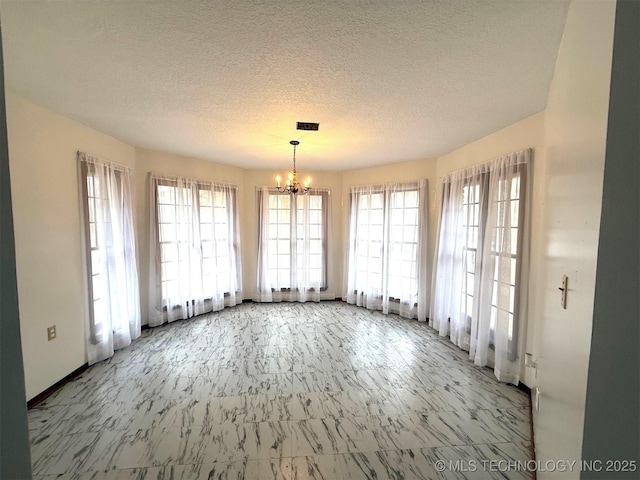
column 292, row 185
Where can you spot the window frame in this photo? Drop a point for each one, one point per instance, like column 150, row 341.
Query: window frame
column 483, row 183
column 325, row 195
column 201, row 186
column 95, row 333
column 385, row 241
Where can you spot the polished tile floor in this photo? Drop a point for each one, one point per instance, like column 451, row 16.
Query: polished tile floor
column 283, row 391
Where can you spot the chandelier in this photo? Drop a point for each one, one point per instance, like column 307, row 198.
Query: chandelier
column 293, row 186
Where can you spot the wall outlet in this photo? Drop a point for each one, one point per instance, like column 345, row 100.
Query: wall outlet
column 51, row 333
column 531, row 363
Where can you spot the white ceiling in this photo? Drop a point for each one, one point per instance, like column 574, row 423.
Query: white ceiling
column 226, row 81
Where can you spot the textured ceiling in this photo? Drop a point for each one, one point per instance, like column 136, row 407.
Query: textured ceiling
column 387, row 80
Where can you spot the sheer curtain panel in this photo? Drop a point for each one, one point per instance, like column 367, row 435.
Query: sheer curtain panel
column 293, row 246
column 112, row 286
column 195, row 248
column 481, row 266
column 387, row 249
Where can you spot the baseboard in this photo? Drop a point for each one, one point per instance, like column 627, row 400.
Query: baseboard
column 524, row 388
column 42, row 396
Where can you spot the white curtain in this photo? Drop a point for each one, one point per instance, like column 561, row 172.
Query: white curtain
column 387, row 259
column 107, row 213
column 294, row 233
column 481, row 268
column 195, row 248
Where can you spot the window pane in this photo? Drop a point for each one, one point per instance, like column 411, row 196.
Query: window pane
column 206, row 214
column 514, row 240
column 515, row 187
column 284, row 246
column 168, row 232
column 93, row 235
column 283, row 231
column 315, row 231
column 411, row 199
column 469, row 306
column 205, row 198
column 315, row 217
column 315, row 201
column 169, row 252
column 284, row 216
column 207, row 249
column 166, row 194
column 206, row 231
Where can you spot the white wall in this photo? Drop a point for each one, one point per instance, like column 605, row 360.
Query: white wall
column 49, row 251
column 527, row 133
column 575, row 137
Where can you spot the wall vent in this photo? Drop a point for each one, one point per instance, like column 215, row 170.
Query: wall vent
column 308, row 126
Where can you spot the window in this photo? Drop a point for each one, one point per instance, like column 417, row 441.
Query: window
column 479, row 262
column 506, row 245
column 112, row 286
column 387, row 242
column 504, row 248
column 196, row 240
column 96, row 221
column 471, row 225
column 403, row 244
column 293, row 250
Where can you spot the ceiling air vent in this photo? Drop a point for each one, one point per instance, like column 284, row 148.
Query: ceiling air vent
column 308, row 126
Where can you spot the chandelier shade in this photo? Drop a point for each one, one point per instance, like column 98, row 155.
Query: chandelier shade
column 292, row 186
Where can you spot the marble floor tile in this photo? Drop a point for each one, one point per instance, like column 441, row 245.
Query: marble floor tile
column 247, row 441
column 251, row 409
column 265, row 469
column 332, row 435
column 327, row 405
column 409, row 432
column 142, row 473
column 307, row 363
column 385, row 379
column 382, row 402
column 304, row 382
column 282, row 391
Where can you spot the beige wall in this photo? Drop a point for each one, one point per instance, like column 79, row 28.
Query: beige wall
column 49, row 258
column 527, row 133
column 575, row 138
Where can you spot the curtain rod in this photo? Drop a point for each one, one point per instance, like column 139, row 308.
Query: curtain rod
column 94, row 158
column 406, row 183
column 189, row 179
column 483, row 164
